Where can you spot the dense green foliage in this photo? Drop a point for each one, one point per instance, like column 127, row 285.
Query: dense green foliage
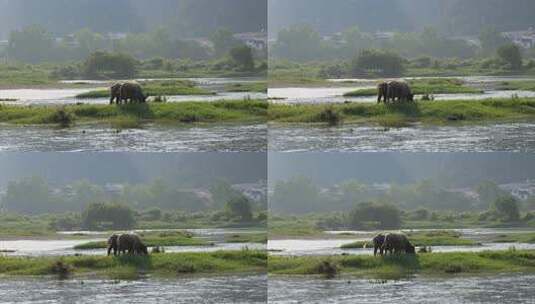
column 99, row 216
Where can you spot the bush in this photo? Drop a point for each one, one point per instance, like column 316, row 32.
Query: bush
column 242, row 56
column 506, row 208
column 381, row 216
column 377, row 62
column 510, row 54
column 106, row 215
column 117, row 64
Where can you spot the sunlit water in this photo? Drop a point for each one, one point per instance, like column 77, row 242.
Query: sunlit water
column 215, row 239
column 150, row 138
column 511, row 137
column 303, row 247
column 499, row 289
column 330, row 94
column 67, row 96
column 227, row 289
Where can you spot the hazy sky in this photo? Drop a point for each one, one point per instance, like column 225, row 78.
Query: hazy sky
column 457, row 169
column 190, row 168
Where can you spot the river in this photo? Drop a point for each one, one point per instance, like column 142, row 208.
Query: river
column 330, row 246
column 65, row 96
column 226, row 289
column 516, row 289
column 492, row 137
column 149, row 138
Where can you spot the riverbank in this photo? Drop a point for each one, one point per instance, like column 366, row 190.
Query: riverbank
column 405, row 114
column 424, row 238
column 427, row 86
column 134, row 115
column 391, row 267
column 132, row 267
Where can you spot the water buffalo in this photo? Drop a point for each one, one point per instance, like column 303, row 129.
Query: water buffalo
column 115, row 93
column 382, row 90
column 378, row 241
column 397, row 243
column 112, row 244
column 132, row 244
column 399, row 90
column 132, row 91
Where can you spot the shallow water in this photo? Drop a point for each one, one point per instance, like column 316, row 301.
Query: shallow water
column 498, row 289
column 65, row 247
column 151, row 138
column 302, row 247
column 335, row 95
column 511, row 137
column 55, row 247
column 331, row 94
column 227, row 289
column 67, row 96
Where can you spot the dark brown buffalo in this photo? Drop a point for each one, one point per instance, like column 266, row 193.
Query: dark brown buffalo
column 115, row 93
column 112, row 244
column 382, row 91
column 131, row 244
column 400, row 91
column 378, row 241
column 397, row 243
column 133, row 92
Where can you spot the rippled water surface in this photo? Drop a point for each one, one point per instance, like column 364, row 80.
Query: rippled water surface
column 501, row 289
column 151, row 138
column 228, row 289
column 512, row 137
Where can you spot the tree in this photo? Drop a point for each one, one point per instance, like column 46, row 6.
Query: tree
column 298, row 194
column 491, row 40
column 383, row 216
column 29, row 195
column 510, row 53
column 118, row 64
column 243, row 57
column 32, row 44
column 506, row 208
column 377, row 61
column 108, row 215
column 239, row 207
column 223, row 41
column 300, row 43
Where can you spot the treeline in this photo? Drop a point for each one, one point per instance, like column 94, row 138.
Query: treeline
column 35, row 44
column 300, row 195
column 303, row 43
column 35, row 196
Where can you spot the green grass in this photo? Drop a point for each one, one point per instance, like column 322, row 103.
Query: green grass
column 426, row 86
column 430, row 264
column 132, row 114
column 246, row 238
column 432, row 112
column 156, row 88
column 528, row 237
column 130, row 267
column 171, row 238
column 524, row 85
column 424, row 238
column 259, row 87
